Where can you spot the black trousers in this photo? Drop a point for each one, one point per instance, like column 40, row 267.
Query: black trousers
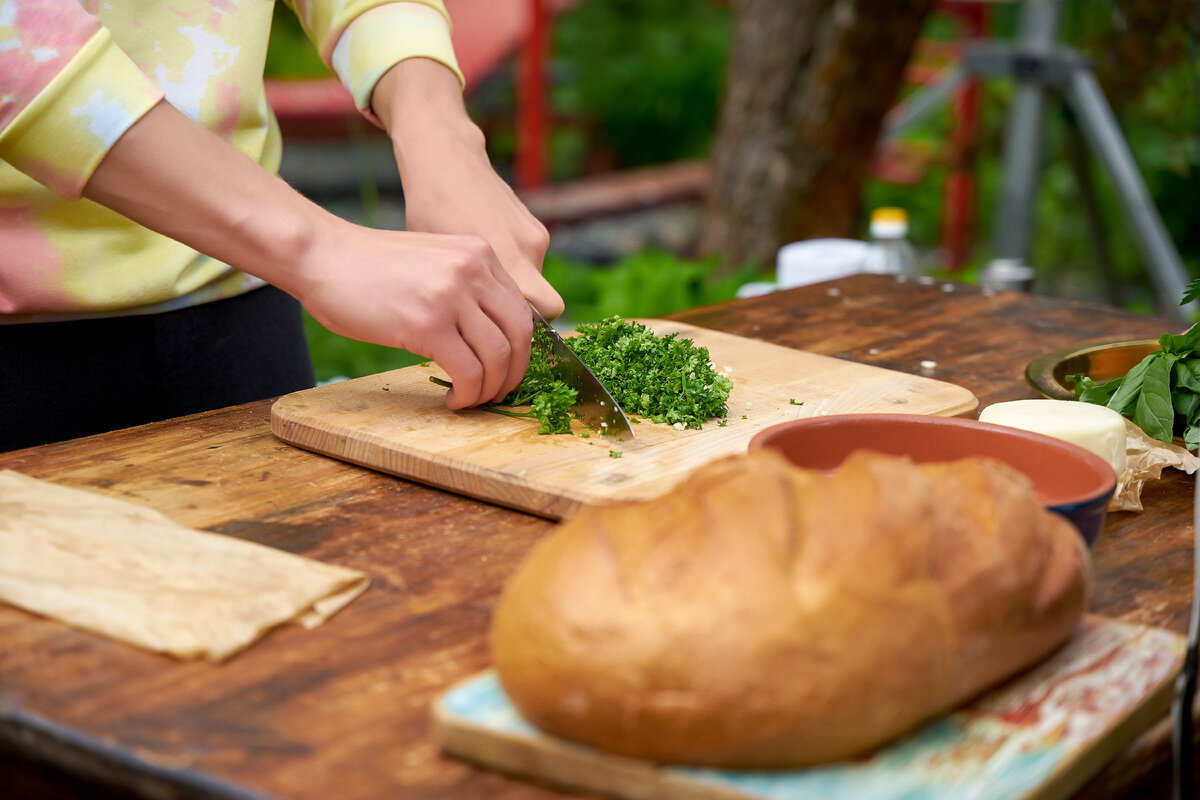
column 60, row 380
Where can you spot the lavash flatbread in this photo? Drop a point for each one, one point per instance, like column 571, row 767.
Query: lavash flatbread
column 129, row 572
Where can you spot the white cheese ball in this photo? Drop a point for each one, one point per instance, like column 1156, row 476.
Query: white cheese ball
column 1096, row 428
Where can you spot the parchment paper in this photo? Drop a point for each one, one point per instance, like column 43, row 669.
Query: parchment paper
column 129, row 572
column 1145, row 459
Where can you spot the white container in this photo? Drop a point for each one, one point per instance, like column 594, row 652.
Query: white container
column 817, row 260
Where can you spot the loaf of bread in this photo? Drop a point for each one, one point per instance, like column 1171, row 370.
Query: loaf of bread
column 765, row 616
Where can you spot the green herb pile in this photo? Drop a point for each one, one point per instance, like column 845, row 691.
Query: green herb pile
column 1161, row 394
column 548, row 398
column 668, row 379
column 665, row 378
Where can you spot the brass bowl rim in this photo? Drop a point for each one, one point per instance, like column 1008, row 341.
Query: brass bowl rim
column 1040, row 372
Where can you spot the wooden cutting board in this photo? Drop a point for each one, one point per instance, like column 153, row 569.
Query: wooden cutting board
column 396, row 422
column 1040, row 736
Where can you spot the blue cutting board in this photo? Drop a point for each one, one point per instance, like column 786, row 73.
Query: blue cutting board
column 1037, row 737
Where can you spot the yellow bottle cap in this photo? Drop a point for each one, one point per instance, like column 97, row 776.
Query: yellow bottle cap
column 890, row 214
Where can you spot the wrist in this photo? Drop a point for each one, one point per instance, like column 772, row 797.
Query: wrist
column 420, row 103
column 295, row 247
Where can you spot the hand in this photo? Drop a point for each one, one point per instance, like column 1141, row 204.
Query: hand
column 449, row 183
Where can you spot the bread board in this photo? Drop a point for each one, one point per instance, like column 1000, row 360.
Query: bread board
column 1040, row 736
column 396, row 422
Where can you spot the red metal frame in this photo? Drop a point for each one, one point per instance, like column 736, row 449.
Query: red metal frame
column 959, row 194
column 531, row 155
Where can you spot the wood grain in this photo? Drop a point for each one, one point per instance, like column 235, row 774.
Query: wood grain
column 397, row 423
column 343, row 711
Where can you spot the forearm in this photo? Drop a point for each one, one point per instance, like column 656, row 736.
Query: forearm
column 421, row 106
column 449, row 183
column 444, row 297
column 173, row 176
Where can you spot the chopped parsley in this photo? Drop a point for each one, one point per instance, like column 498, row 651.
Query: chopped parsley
column 668, row 379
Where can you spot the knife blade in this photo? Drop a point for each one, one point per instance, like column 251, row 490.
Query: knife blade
column 594, row 403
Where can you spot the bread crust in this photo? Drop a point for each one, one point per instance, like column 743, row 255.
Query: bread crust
column 765, row 616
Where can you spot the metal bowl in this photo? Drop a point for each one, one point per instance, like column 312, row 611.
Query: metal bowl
column 1101, row 362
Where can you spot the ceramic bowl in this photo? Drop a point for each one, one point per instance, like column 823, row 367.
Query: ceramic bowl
column 1100, row 362
column 1066, row 478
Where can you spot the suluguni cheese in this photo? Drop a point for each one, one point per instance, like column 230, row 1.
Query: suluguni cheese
column 1096, row 428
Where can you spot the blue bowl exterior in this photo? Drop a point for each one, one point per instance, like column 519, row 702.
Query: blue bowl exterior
column 1088, row 517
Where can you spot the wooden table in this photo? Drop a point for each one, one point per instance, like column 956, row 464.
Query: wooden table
column 343, row 711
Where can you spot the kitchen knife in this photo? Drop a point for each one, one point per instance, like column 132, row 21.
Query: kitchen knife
column 594, row 404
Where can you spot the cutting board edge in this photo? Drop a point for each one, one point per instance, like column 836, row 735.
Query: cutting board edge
column 525, row 498
column 970, row 403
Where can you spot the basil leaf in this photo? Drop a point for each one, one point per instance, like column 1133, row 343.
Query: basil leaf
column 1153, row 412
column 1089, row 391
column 1191, row 437
column 1181, row 344
column 1186, row 374
column 1185, row 403
column 1125, row 398
column 1192, row 292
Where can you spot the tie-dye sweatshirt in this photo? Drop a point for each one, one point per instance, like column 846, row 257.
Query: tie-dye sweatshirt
column 75, row 74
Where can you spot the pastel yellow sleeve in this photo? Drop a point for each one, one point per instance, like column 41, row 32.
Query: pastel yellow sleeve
column 65, row 131
column 362, row 39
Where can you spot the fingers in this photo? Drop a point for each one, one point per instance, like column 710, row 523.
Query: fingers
column 517, row 331
column 466, row 373
column 522, row 256
column 544, row 298
column 494, row 326
column 497, row 342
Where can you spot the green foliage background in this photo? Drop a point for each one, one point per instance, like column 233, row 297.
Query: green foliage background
column 638, row 82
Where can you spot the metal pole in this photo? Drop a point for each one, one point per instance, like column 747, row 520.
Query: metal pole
column 1081, row 166
column 1038, row 34
column 531, row 100
column 1103, row 134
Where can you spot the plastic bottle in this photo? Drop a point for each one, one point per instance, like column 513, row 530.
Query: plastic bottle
column 891, row 251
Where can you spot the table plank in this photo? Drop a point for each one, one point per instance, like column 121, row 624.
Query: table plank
column 343, row 710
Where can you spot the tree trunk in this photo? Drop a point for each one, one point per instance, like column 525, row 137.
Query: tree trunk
column 806, row 90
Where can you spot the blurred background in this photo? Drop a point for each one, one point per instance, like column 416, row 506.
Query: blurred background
column 673, row 146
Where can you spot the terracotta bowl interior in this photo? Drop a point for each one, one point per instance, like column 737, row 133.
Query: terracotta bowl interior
column 1063, row 474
